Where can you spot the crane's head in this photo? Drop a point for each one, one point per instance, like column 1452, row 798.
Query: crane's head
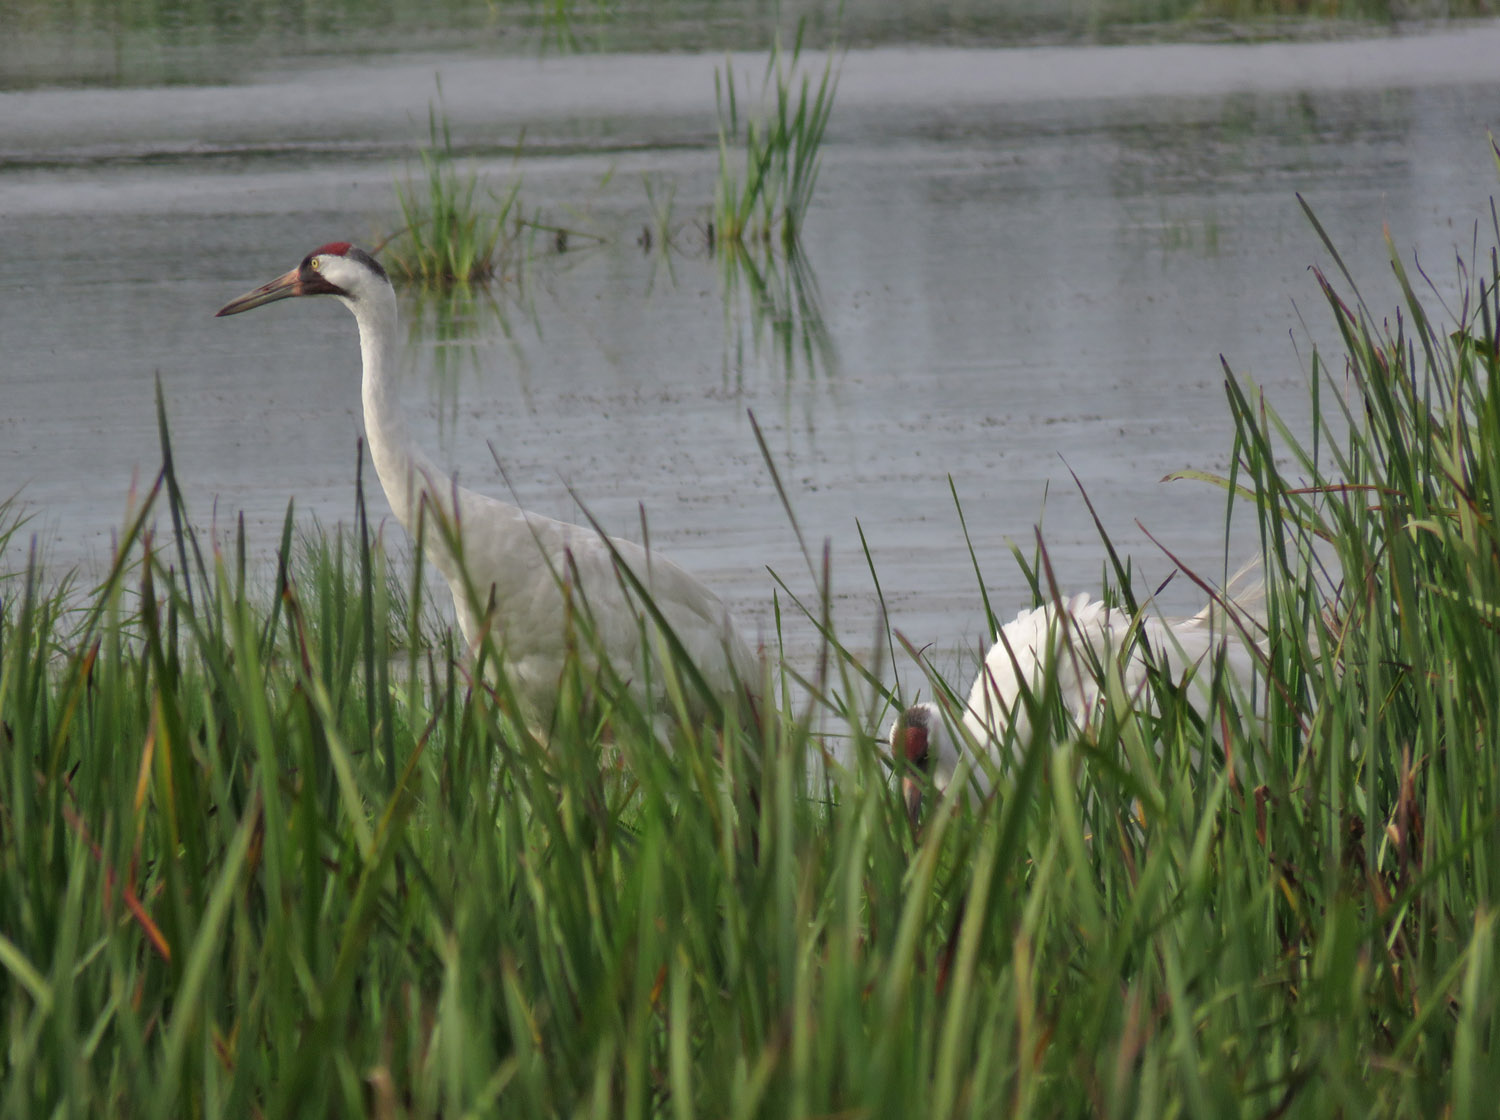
column 921, row 741
column 337, row 269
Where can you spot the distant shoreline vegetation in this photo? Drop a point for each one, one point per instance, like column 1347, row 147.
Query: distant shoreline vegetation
column 94, row 42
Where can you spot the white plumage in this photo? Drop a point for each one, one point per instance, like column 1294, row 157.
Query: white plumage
column 529, row 577
column 1080, row 639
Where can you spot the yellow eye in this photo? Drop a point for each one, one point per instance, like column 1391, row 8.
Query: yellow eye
column 314, row 264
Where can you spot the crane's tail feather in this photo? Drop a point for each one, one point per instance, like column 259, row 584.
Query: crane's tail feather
column 1241, row 605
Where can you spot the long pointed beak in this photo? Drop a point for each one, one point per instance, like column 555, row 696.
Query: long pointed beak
column 283, row 287
column 911, row 793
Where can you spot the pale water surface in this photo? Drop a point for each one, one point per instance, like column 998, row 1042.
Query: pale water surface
column 1028, row 261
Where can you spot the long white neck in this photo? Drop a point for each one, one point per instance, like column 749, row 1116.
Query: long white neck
column 405, row 471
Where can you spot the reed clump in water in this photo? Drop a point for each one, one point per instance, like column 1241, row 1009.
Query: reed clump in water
column 768, row 164
column 248, row 866
column 452, row 232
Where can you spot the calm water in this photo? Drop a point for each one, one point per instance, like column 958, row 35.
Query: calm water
column 1026, row 261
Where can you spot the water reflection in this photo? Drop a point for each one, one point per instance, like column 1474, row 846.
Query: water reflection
column 772, row 309
column 772, row 302
column 450, row 329
column 661, row 236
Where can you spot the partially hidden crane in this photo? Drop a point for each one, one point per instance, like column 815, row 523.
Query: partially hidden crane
column 544, row 589
column 1075, row 639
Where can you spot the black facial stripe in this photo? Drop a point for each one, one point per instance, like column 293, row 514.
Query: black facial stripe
column 357, row 254
column 314, row 283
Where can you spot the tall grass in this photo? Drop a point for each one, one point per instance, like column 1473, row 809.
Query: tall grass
column 256, row 861
column 768, row 170
column 450, row 231
column 769, row 162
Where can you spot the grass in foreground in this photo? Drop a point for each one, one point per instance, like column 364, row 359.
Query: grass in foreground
column 252, row 863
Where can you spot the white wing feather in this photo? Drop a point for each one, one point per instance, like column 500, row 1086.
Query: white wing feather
column 1077, row 639
column 539, row 570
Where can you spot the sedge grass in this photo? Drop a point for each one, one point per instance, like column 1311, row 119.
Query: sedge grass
column 246, row 869
column 769, row 162
column 451, row 231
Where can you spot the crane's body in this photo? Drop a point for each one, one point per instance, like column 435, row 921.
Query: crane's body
column 1076, row 639
column 545, row 589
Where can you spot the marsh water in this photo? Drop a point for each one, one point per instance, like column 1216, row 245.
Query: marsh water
column 1022, row 265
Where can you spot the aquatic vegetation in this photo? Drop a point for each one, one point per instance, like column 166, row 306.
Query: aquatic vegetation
column 1232, row 19
column 659, row 233
column 453, row 232
column 768, row 163
column 158, row 41
column 1382, row 10
column 275, row 853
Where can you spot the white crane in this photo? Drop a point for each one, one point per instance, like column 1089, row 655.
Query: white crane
column 1077, row 639
column 524, row 577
